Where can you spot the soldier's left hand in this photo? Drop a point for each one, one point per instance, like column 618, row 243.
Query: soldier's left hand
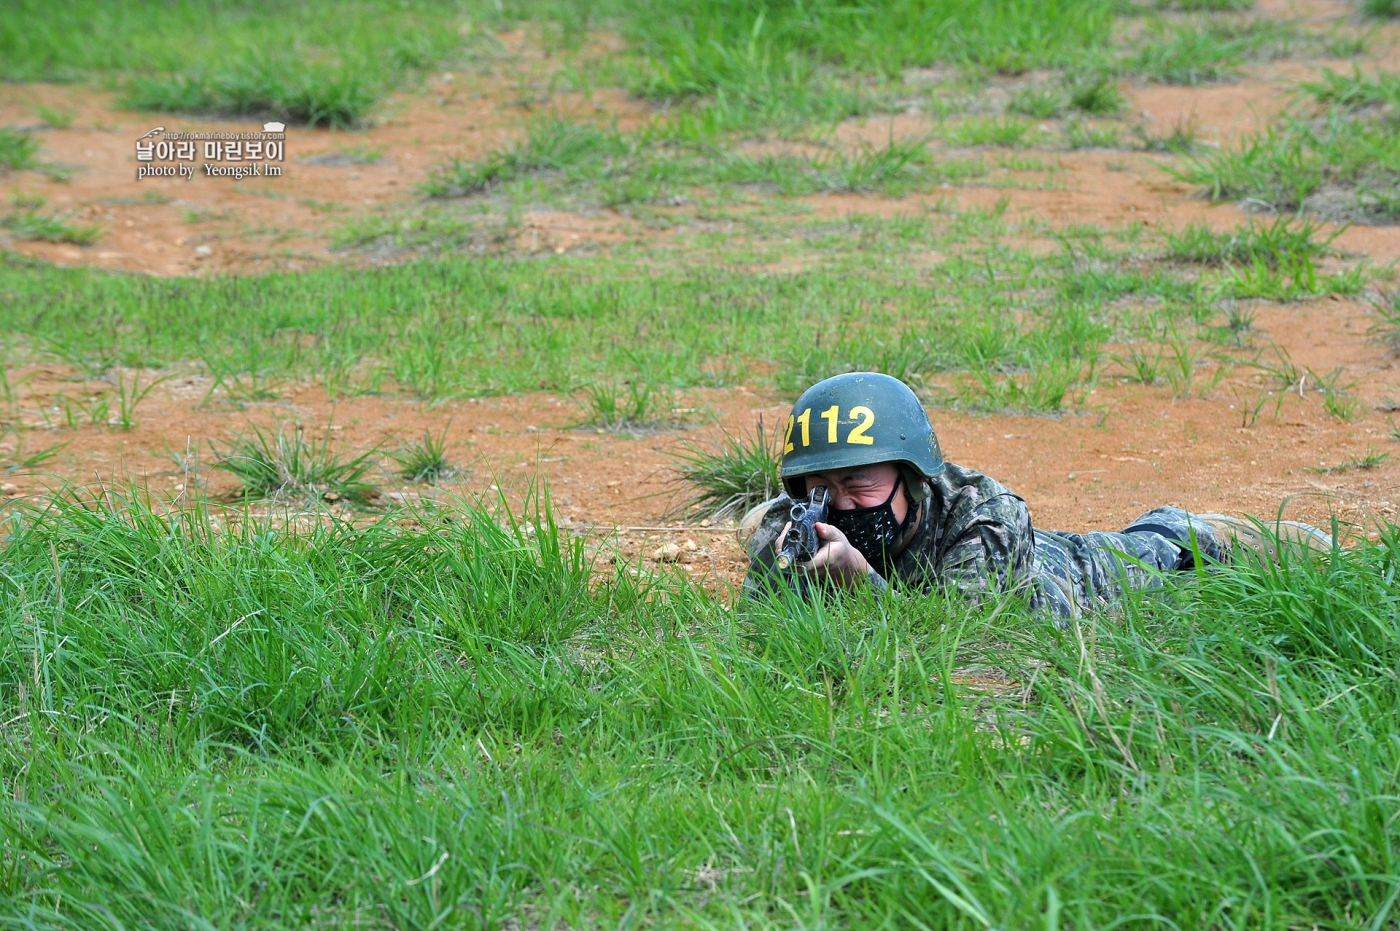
column 837, row 560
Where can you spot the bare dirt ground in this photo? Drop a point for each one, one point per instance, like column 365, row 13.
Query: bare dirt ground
column 1137, row 447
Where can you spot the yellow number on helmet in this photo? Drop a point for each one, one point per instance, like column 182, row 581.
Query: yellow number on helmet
column 832, row 414
column 805, row 418
column 787, row 437
column 858, row 434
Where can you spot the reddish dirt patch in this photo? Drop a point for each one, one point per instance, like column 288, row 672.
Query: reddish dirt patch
column 173, row 226
column 201, row 225
column 217, row 224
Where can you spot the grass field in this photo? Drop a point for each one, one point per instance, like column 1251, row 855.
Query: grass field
column 1338, row 160
column 968, row 330
column 746, row 63
column 308, row 701
column 329, row 64
column 455, row 727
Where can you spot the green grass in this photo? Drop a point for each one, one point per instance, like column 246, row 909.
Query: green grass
column 1083, row 135
column 1037, row 101
column 317, row 63
column 282, row 464
column 575, row 164
column 717, row 66
column 17, row 150
column 1207, row 51
column 1280, row 242
column 263, row 88
column 1340, row 161
column 1386, row 329
column 1180, row 139
column 424, row 459
column 626, row 405
column 50, row 227
column 373, row 727
column 1094, row 94
column 1275, row 260
column 416, row 229
column 1364, row 461
column 551, row 144
column 1008, row 132
column 729, row 63
column 455, row 328
column 1045, row 389
column 53, row 117
column 721, row 65
column 728, row 476
column 754, row 60
column 1212, row 6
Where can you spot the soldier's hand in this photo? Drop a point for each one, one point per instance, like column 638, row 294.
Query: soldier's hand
column 837, row 560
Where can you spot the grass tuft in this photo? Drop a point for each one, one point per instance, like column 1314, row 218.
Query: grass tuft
column 769, row 60
column 18, row 150
column 1362, row 461
column 1038, row 101
column 54, row 118
column 730, row 475
column 1003, row 131
column 1206, row 6
column 1284, row 241
column 1142, row 366
column 1180, row 139
column 551, row 143
column 1386, row 330
column 1045, row 389
column 1206, row 52
column 262, row 87
column 626, row 405
column 321, row 62
column 425, row 459
column 1095, row 94
column 1274, row 261
column 50, row 227
column 1339, row 161
column 1080, row 134
column 282, row 464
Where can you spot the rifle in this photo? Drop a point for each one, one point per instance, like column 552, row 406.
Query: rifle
column 801, row 543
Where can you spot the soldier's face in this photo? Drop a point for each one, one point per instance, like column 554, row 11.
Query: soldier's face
column 862, row 487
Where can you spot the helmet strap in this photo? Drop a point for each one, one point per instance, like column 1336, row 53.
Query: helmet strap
column 915, row 485
column 912, row 523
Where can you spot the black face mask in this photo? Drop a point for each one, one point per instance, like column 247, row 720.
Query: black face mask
column 872, row 530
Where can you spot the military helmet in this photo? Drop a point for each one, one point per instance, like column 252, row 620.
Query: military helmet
column 858, row 419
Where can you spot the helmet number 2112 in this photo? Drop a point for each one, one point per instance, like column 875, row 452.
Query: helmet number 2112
column 832, row 415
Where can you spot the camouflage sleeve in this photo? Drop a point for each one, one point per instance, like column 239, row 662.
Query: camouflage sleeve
column 994, row 549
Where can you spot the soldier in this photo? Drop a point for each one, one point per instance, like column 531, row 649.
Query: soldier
column 900, row 513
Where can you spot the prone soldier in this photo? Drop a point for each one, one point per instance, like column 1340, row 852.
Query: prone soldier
column 898, row 513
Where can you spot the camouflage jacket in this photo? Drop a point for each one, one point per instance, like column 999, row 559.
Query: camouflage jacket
column 974, row 535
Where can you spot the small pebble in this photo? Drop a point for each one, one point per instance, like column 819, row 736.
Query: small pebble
column 667, row 552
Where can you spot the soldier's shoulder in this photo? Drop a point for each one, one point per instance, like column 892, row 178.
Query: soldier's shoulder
column 760, row 518
column 959, row 480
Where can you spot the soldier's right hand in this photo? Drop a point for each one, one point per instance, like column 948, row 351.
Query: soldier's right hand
column 837, row 559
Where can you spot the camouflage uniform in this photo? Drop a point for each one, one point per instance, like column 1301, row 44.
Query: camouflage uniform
column 974, row 535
